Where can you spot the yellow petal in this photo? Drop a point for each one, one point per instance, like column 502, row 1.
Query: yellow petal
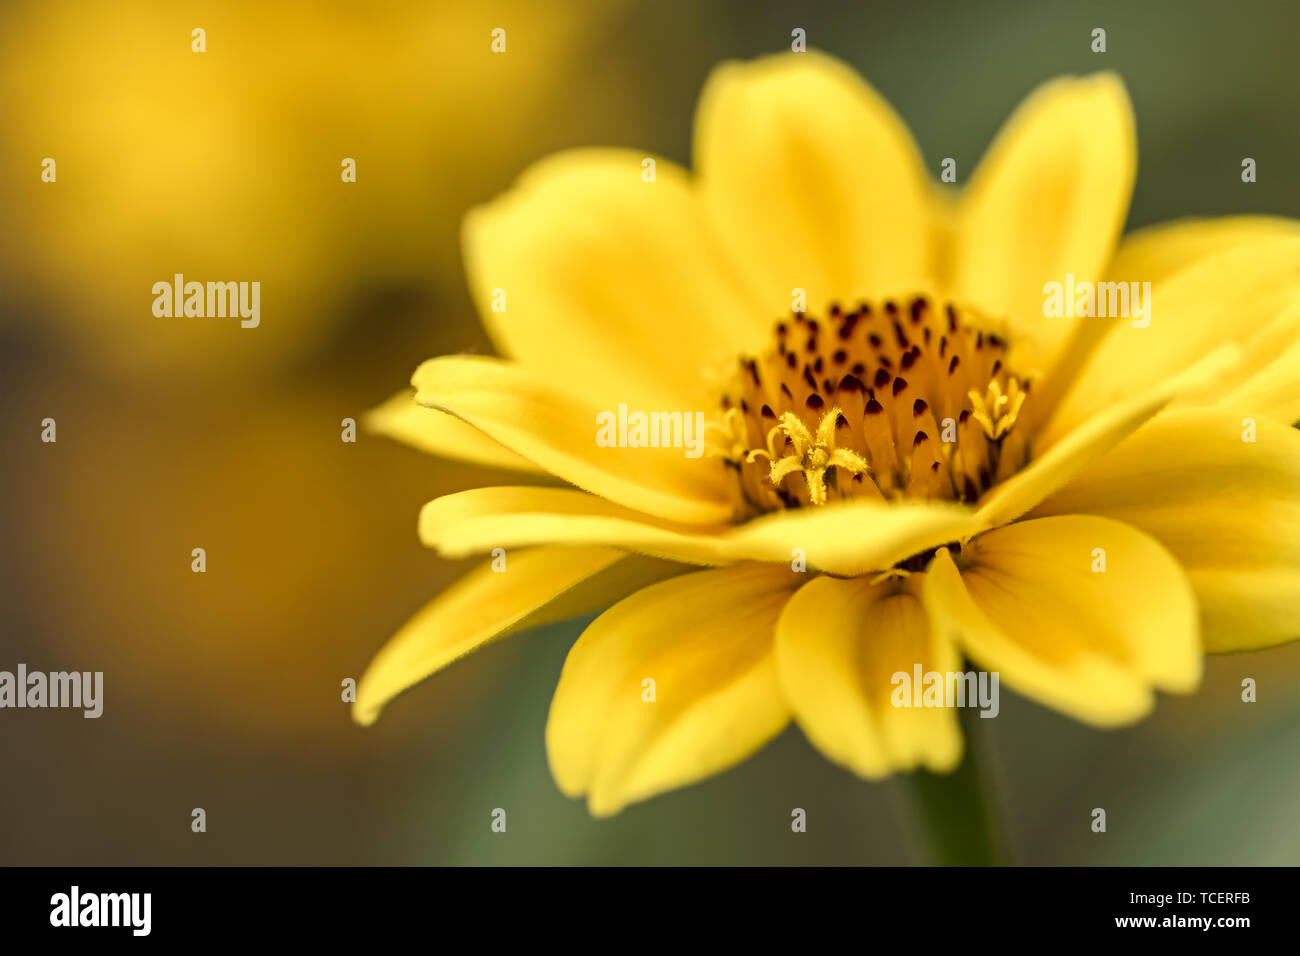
column 1228, row 510
column 1153, row 255
column 611, row 284
column 440, row 434
column 1049, row 198
column 477, row 520
column 705, row 640
column 537, row 587
column 1156, row 253
column 843, row 538
column 812, row 182
column 1055, row 464
column 1248, row 294
column 1029, row 603
column 1273, row 391
column 857, row 537
column 557, row 431
column 839, row 644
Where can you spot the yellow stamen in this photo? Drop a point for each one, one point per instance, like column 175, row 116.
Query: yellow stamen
column 814, row 455
column 995, row 411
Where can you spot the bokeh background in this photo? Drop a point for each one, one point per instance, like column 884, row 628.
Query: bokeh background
column 223, row 689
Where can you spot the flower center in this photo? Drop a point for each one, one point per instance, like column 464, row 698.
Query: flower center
column 887, row 401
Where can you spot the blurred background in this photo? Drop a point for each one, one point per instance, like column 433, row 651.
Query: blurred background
column 222, row 690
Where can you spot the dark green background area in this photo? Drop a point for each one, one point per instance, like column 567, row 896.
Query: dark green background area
column 272, row 756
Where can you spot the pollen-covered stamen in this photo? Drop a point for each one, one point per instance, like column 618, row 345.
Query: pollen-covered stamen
column 813, row 454
column 886, row 400
column 997, row 412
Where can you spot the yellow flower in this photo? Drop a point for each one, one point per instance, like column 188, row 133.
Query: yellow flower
column 1082, row 505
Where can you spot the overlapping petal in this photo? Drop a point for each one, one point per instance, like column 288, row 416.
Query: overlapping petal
column 669, row 686
column 539, row 586
column 1157, row 253
column 843, row 538
column 1222, row 494
column 610, row 284
column 1056, row 463
column 839, row 644
column 1247, row 294
column 439, row 433
column 1084, row 614
column 519, row 409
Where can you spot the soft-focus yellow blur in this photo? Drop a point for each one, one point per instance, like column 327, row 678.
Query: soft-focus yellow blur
column 224, row 689
column 226, row 165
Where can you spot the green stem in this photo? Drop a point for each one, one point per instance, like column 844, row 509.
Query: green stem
column 956, row 811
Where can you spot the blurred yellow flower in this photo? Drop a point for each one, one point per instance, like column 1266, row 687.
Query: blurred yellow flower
column 1083, row 506
column 228, row 164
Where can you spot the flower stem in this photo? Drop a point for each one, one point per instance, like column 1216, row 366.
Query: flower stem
column 957, row 811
